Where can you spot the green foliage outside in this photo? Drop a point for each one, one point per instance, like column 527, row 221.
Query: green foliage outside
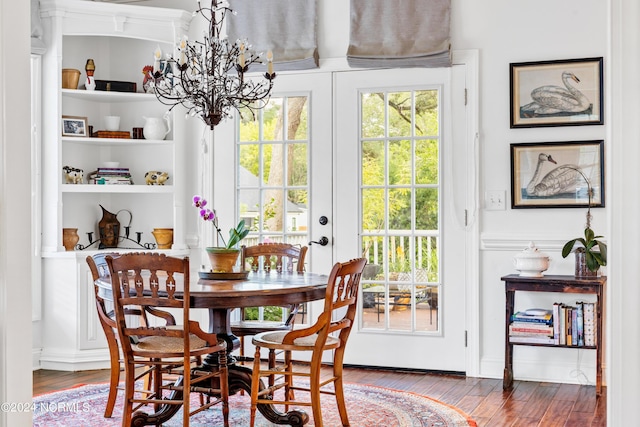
column 410, row 143
column 270, row 313
column 400, row 135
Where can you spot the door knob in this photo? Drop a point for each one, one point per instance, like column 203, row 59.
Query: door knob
column 323, row 220
column 324, row 241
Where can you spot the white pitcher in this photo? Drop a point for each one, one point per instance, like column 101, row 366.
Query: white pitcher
column 155, row 128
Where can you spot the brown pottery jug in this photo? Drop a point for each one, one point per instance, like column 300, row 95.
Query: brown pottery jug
column 109, row 228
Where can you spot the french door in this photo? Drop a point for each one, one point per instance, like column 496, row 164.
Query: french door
column 394, row 158
column 377, row 183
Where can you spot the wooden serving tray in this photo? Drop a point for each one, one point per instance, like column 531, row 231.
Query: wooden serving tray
column 210, row 275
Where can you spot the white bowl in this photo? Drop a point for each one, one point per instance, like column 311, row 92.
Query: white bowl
column 110, row 164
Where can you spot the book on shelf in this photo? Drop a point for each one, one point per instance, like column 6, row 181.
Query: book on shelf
column 556, row 322
column 527, row 339
column 532, row 325
column 110, row 176
column 529, row 334
column 562, row 314
column 579, row 324
column 114, row 171
column 523, row 316
column 569, row 325
column 589, row 329
column 524, row 329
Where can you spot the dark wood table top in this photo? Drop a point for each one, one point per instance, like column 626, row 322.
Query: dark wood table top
column 258, row 289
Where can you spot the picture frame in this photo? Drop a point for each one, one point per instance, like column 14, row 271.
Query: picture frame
column 74, row 126
column 536, row 182
column 556, row 93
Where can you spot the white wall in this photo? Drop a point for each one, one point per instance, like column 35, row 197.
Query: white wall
column 15, row 208
column 520, row 32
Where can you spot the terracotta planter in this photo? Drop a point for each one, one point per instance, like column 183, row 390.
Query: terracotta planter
column 581, row 266
column 164, row 237
column 222, row 260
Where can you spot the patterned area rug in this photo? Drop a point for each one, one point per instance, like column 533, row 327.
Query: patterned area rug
column 368, row 406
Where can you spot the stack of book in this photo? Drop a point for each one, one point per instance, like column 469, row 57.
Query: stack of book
column 107, row 176
column 532, row 326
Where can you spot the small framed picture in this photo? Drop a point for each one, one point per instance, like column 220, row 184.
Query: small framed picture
column 74, row 126
column 556, row 93
column 557, row 174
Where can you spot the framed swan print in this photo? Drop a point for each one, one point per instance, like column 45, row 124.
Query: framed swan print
column 557, row 174
column 556, row 93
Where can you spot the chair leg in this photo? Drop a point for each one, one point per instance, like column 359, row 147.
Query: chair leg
column 314, row 385
column 186, row 392
column 339, row 389
column 129, row 387
column 114, row 378
column 255, row 381
column 288, row 392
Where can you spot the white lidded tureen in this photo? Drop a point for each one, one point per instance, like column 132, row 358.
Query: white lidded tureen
column 531, row 262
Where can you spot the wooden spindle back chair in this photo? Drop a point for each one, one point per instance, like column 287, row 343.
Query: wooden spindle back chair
column 157, row 281
column 273, row 258
column 329, row 333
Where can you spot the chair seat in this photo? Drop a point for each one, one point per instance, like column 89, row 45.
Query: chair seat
column 168, row 344
column 252, row 327
column 274, row 340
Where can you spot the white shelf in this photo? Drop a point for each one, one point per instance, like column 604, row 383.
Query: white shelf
column 116, row 188
column 115, row 141
column 108, row 96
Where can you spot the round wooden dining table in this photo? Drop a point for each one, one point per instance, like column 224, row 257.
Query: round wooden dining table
column 221, row 295
column 259, row 289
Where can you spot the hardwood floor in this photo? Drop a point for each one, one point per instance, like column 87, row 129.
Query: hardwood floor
column 528, row 404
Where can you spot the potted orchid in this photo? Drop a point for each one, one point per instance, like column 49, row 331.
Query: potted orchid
column 224, row 257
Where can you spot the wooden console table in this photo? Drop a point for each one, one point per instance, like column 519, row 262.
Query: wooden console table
column 563, row 284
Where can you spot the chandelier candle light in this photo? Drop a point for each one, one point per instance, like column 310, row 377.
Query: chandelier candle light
column 208, row 77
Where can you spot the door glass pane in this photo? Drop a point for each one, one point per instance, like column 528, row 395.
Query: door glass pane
column 373, row 163
column 399, row 109
column 400, row 202
column 373, row 123
column 273, row 181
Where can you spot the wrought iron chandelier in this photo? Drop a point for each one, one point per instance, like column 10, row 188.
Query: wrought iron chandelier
column 208, row 76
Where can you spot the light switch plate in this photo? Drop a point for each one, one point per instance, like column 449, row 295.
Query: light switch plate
column 494, row 200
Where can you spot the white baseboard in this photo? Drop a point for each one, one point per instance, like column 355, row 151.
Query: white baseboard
column 63, row 360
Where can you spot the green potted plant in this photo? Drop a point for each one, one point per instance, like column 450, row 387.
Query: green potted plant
column 224, row 257
column 592, row 254
column 592, row 251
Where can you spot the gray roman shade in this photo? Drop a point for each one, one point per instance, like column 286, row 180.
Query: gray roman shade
column 286, row 27
column 399, row 33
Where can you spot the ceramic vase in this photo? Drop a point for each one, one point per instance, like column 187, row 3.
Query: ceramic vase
column 164, row 237
column 70, row 238
column 222, row 260
column 581, row 266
